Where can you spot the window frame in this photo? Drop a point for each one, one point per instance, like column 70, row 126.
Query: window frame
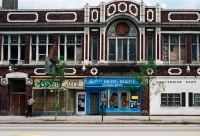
column 169, row 102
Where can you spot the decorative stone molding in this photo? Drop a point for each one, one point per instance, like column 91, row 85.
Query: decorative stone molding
column 150, row 11
column 170, row 73
column 102, row 12
column 64, row 14
column 150, row 71
column 4, row 81
column 87, row 13
column 97, row 15
column 29, row 81
column 186, row 14
column 119, row 7
column 198, row 71
column 108, row 10
column 22, row 13
column 136, row 9
column 94, row 71
column 37, row 73
column 72, row 73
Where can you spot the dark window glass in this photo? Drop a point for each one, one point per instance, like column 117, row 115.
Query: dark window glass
column 174, row 39
column 194, row 39
column 33, row 52
column 5, row 39
column 150, row 46
column 190, row 99
column 5, row 52
column 22, row 55
column 70, row 39
column 62, row 39
column 22, row 39
column 14, row 39
column 42, row 49
column 183, row 39
column 94, row 48
column 14, row 52
column 112, row 49
column 166, row 39
column 125, row 49
column 119, row 49
column 194, row 52
column 70, row 52
column 183, row 99
column 50, row 38
column 62, row 51
column 132, row 49
column 79, row 39
column 42, row 39
column 33, row 38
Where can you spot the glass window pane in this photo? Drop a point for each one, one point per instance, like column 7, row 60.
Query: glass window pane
column 14, row 52
column 62, row 38
column 70, row 39
column 174, row 39
column 194, row 39
column 33, row 37
column 194, row 52
column 165, row 53
column 196, row 99
column 14, row 40
column 62, row 50
column 166, row 39
column 5, row 39
column 150, row 46
column 132, row 49
column 174, row 52
column 112, row 49
column 113, row 101
column 42, row 49
column 22, row 53
column 33, row 49
column 125, row 49
column 50, row 100
column 79, row 39
column 22, row 39
column 42, row 39
column 5, row 52
column 183, row 40
column 50, row 38
column 119, row 49
column 70, row 52
column 94, row 48
column 190, row 98
column 38, row 96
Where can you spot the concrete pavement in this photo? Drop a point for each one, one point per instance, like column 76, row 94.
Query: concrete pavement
column 98, row 120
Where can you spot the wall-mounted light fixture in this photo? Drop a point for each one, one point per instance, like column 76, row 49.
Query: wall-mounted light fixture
column 84, row 68
column 188, row 69
column 10, row 69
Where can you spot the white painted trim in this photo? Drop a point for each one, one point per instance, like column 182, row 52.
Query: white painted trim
column 28, row 13
column 41, row 32
column 108, row 13
column 179, row 73
column 73, row 73
column 94, row 73
column 120, row 5
column 198, row 71
column 170, row 13
column 48, row 13
column 133, row 5
column 36, row 73
column 95, row 10
column 148, row 11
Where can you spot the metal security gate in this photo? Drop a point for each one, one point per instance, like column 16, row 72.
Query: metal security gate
column 94, row 104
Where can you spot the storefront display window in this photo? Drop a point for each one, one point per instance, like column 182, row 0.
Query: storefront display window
column 38, row 96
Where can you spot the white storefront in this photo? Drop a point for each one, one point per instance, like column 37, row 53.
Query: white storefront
column 181, row 96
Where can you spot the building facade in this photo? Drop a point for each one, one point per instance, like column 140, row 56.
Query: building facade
column 102, row 44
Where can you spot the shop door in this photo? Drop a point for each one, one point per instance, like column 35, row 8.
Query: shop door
column 80, row 103
column 18, row 104
column 94, row 104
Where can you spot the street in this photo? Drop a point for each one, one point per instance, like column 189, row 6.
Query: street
column 98, row 130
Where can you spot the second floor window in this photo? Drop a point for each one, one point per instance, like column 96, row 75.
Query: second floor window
column 13, row 47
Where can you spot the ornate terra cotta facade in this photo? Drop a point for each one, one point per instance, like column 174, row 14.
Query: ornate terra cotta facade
column 109, row 40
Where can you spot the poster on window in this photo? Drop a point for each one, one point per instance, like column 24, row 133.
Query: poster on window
column 81, row 102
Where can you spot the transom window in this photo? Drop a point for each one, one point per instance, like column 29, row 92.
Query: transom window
column 174, row 48
column 40, row 46
column 13, row 47
column 70, row 47
column 122, row 43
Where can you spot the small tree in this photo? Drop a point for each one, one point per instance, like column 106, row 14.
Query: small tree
column 145, row 77
column 58, row 73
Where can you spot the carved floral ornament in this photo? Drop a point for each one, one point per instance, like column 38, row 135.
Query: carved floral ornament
column 122, row 8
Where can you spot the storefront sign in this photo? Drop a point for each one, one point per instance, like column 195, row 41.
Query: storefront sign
column 135, row 97
column 111, row 82
column 46, row 83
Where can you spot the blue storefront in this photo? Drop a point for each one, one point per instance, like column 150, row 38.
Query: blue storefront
column 115, row 96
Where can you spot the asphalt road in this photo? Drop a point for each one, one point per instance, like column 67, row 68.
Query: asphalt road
column 97, row 130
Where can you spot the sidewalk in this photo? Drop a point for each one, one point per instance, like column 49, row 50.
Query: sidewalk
column 98, row 120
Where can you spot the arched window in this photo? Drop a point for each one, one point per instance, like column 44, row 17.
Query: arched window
column 122, row 42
